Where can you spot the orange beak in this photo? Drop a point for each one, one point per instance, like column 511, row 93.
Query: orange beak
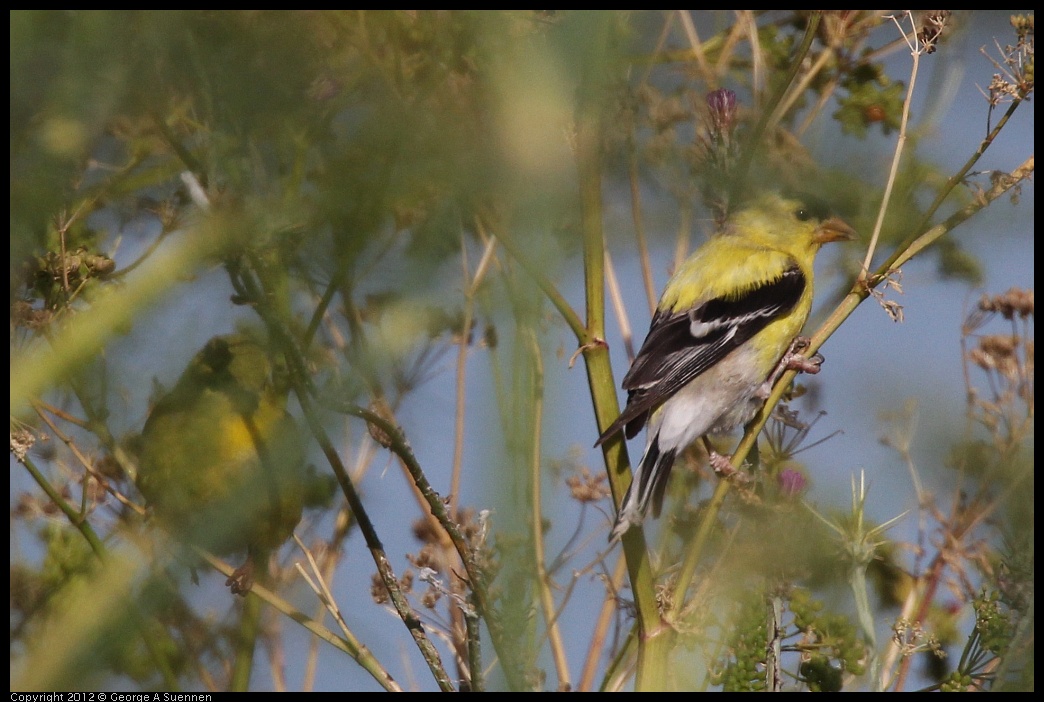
column 834, row 229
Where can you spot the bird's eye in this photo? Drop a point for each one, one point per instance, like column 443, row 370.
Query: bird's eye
column 803, row 214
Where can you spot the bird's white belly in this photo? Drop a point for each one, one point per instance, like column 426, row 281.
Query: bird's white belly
column 718, row 400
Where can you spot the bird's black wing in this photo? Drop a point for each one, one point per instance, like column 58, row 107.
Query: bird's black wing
column 682, row 345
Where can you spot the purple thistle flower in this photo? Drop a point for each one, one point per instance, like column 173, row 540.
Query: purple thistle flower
column 791, row 482
column 722, row 105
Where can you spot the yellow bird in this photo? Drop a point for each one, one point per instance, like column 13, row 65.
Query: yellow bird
column 724, row 329
column 220, row 459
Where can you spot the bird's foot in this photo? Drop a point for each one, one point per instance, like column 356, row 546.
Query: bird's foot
column 724, row 469
column 805, row 364
column 795, row 360
column 242, row 578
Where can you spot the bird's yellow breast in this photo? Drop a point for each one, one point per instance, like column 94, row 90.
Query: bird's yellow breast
column 223, row 478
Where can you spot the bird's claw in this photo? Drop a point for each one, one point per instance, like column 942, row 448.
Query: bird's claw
column 723, row 467
column 804, row 364
column 242, row 578
column 794, row 360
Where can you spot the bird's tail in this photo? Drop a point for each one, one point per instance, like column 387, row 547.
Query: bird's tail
column 646, row 488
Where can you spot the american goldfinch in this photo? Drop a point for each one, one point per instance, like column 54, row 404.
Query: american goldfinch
column 220, row 461
column 722, row 333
